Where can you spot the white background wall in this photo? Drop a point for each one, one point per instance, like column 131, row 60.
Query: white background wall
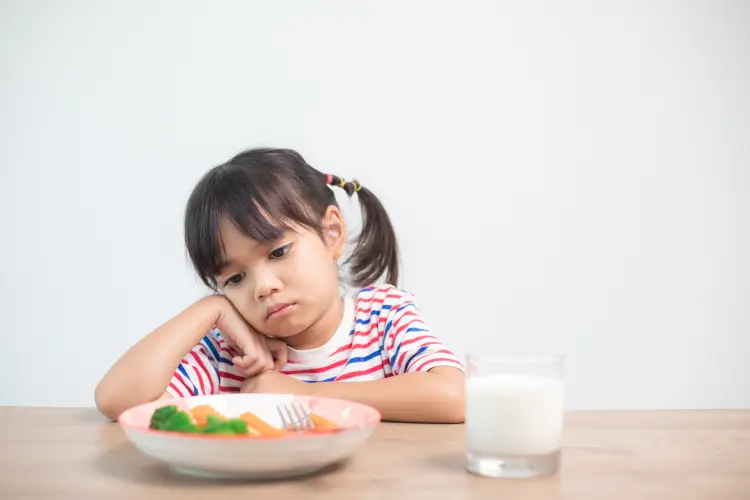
column 562, row 177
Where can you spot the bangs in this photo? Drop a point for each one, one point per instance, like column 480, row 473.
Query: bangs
column 261, row 202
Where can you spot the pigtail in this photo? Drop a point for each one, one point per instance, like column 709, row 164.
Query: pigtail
column 376, row 250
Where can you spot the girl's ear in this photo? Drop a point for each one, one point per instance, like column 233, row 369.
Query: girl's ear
column 334, row 231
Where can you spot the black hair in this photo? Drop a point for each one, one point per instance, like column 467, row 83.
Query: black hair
column 263, row 191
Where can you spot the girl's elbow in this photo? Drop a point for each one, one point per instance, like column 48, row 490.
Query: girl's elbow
column 454, row 407
column 455, row 413
column 106, row 404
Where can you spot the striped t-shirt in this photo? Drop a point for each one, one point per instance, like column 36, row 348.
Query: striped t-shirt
column 381, row 335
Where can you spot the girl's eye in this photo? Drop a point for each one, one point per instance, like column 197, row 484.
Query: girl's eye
column 281, row 251
column 233, row 280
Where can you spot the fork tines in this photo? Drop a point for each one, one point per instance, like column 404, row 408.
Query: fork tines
column 294, row 418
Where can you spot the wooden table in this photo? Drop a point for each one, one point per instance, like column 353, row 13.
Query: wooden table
column 76, row 454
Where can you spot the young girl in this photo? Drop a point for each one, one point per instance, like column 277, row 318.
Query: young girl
column 264, row 231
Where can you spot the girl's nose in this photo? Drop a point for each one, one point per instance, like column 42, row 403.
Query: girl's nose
column 266, row 284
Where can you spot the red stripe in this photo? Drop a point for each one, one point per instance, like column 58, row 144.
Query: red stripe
column 340, row 349
column 404, row 314
column 393, row 308
column 224, row 388
column 363, row 333
column 442, row 351
column 374, row 300
column 428, row 365
column 200, row 379
column 400, row 361
column 175, row 389
column 202, row 349
column 355, row 346
column 401, row 328
column 360, row 373
column 206, row 370
column 365, row 345
column 315, row 370
column 452, row 360
column 231, row 376
column 395, row 331
column 182, row 381
column 414, row 339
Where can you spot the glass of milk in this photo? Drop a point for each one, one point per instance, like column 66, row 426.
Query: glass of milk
column 514, row 415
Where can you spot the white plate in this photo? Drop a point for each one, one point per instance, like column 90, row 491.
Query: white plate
column 293, row 454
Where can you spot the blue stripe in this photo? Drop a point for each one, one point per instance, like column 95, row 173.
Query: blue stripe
column 390, row 323
column 351, row 333
column 210, row 345
column 366, row 321
column 362, row 358
column 187, row 377
column 218, row 356
column 316, row 381
column 207, row 343
column 388, row 327
column 373, row 313
column 410, row 304
column 393, row 358
column 411, row 358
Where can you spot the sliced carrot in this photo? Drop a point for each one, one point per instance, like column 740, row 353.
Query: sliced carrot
column 202, row 412
column 322, row 424
column 259, row 427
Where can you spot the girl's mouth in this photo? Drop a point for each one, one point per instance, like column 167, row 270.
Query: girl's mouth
column 279, row 310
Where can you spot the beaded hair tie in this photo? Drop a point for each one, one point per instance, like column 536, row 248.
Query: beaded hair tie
column 349, row 186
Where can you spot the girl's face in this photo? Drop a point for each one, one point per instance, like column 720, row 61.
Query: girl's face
column 288, row 287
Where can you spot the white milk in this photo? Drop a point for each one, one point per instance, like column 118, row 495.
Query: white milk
column 511, row 415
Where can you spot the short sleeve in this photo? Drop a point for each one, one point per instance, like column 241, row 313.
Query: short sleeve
column 410, row 344
column 198, row 372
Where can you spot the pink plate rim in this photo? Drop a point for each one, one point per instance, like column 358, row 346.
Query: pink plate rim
column 123, row 420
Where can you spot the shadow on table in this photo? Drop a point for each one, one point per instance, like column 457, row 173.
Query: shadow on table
column 454, row 464
column 124, row 462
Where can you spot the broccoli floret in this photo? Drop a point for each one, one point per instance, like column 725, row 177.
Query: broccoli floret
column 180, row 422
column 168, row 418
column 160, row 416
column 229, row 427
column 238, row 426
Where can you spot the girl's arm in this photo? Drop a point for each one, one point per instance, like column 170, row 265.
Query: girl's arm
column 436, row 396
column 143, row 373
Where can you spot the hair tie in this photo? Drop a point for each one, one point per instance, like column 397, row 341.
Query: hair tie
column 335, row 180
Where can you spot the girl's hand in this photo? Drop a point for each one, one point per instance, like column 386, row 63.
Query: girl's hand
column 254, row 352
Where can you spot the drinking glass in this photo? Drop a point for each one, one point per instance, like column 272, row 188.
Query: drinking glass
column 514, row 415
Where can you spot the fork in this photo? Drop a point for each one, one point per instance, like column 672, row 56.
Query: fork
column 294, row 418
